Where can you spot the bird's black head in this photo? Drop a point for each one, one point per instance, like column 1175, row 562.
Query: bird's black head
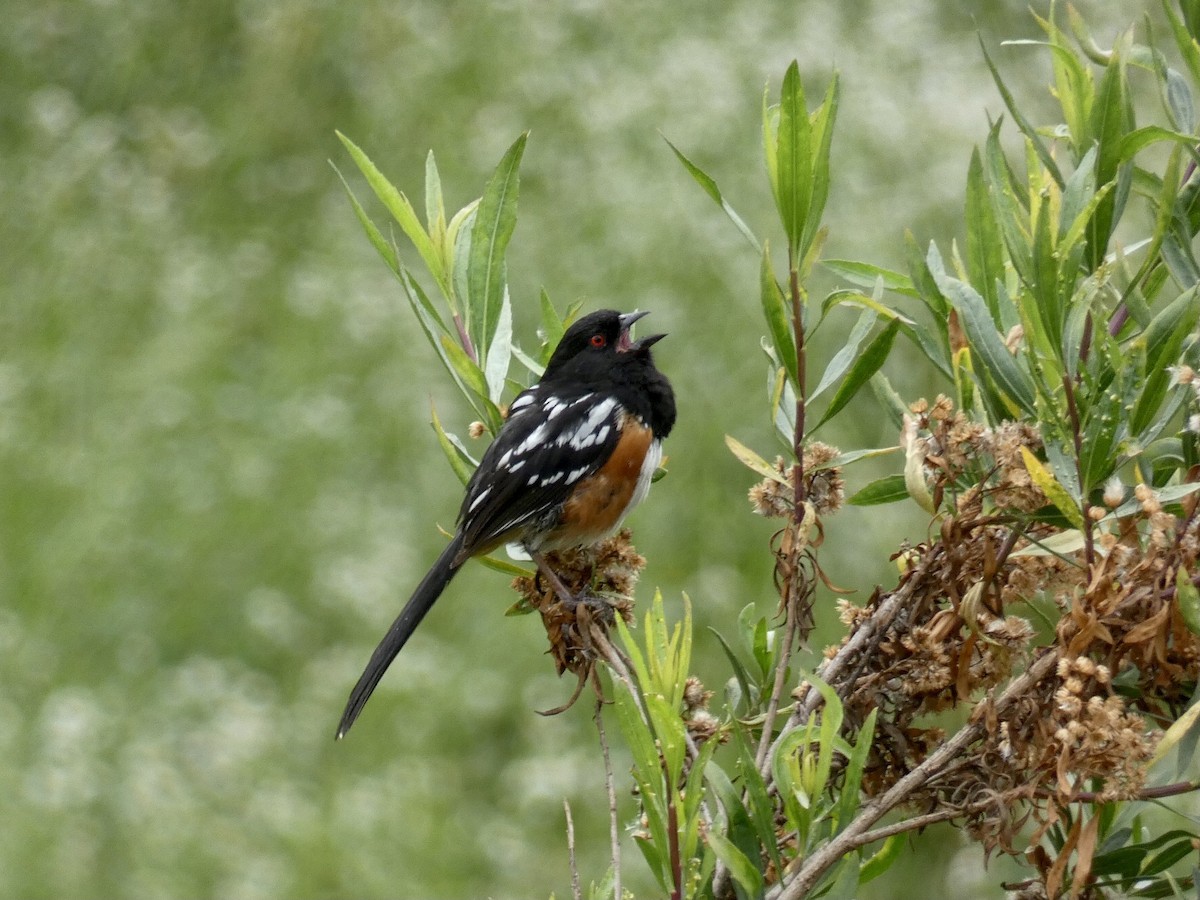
column 602, row 333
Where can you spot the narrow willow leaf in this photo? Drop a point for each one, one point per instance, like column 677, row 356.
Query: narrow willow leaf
column 849, row 798
column 1075, row 233
column 923, row 281
column 744, row 872
column 1188, row 47
column 1112, row 120
column 856, row 298
column 853, row 456
column 985, row 247
column 741, row 674
column 458, row 247
column 1043, row 282
column 435, row 207
column 882, row 859
column 1179, row 727
column 1061, row 544
column 1053, row 490
column 865, row 275
column 466, row 368
column 460, row 461
column 494, row 222
column 761, row 809
column 1162, row 341
column 397, row 204
column 752, row 460
column 889, row 489
column 1135, row 142
column 987, row 344
column 793, row 138
column 867, row 364
column 499, row 351
column 430, row 322
column 1011, row 212
column 915, row 484
column 770, row 126
column 503, row 566
column 710, row 187
column 1080, row 189
column 1073, row 84
column 1187, row 600
column 1023, row 123
column 822, row 122
column 841, row 360
column 743, row 830
column 889, row 398
column 381, row 245
column 779, row 323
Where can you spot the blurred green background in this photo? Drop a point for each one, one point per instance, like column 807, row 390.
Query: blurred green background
column 217, row 483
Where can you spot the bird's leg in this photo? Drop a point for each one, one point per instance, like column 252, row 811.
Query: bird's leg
column 595, row 603
column 555, row 582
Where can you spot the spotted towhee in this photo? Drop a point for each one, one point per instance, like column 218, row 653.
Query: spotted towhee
column 576, row 453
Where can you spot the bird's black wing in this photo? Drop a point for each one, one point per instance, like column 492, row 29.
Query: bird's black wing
column 554, row 437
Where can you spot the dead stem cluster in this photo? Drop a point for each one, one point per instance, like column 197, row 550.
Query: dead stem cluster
column 1126, row 662
column 603, row 577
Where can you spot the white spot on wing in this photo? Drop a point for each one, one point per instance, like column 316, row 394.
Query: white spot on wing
column 521, row 402
column 482, row 496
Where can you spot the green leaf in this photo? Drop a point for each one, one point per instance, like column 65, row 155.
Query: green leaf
column 460, row 460
column 1053, row 490
column 465, row 367
column 986, row 343
column 882, row 859
column 865, row 275
column 495, row 219
column 435, row 208
column 793, row 194
column 744, row 872
column 397, row 204
column 889, row 398
column 381, row 245
column 848, row 796
column 1012, row 212
column 779, row 323
column 841, row 360
column 889, row 489
column 866, row 365
column 1023, row 123
column 499, row 351
column 710, row 187
column 1162, row 342
column 822, row 122
column 752, row 460
column 1188, row 47
column 985, row 247
column 853, row 456
column 1187, row 600
column 924, row 282
column 1112, row 119
column 741, row 674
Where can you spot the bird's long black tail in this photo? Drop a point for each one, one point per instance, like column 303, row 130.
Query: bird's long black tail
column 410, row 617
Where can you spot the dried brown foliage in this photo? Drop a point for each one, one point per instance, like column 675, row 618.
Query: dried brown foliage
column 963, row 634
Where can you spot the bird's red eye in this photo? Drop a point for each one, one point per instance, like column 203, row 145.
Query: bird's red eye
column 599, row 340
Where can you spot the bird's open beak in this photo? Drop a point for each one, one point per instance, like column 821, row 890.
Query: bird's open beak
column 625, row 343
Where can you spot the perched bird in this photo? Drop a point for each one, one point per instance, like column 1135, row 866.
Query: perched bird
column 576, row 453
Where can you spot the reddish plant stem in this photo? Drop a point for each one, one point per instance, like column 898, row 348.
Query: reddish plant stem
column 465, row 339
